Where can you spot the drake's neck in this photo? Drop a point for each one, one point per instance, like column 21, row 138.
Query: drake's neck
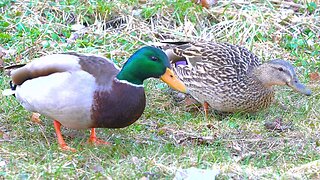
column 127, row 76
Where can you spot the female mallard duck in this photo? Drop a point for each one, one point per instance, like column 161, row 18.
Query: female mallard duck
column 86, row 91
column 230, row 78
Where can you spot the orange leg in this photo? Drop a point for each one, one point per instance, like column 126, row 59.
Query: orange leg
column 94, row 140
column 206, row 109
column 61, row 142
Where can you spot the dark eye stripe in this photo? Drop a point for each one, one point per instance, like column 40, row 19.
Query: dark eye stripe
column 285, row 70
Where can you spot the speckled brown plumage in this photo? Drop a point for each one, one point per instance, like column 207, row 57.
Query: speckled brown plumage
column 229, row 77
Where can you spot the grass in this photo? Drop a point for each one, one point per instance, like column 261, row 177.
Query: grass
column 169, row 135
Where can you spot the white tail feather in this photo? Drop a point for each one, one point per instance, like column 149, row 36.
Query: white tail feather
column 8, row 92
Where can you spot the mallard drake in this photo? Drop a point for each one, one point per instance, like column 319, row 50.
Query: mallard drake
column 229, row 78
column 81, row 91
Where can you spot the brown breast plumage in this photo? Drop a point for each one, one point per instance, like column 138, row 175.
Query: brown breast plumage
column 119, row 107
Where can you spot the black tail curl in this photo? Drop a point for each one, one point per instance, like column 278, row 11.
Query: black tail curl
column 12, row 86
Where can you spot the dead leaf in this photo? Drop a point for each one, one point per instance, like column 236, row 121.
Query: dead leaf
column 35, row 117
column 211, row 126
column 142, row 1
column 190, row 101
column 191, row 104
column 18, row 59
column 277, row 125
column 314, row 76
column 205, row 3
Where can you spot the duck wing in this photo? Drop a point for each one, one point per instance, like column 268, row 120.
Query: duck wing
column 211, row 63
column 99, row 67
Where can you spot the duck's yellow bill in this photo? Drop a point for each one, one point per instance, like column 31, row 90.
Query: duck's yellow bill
column 170, row 78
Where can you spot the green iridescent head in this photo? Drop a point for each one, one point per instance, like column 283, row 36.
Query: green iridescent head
column 149, row 62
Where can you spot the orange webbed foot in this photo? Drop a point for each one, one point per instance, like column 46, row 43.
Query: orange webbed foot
column 61, row 142
column 67, row 148
column 96, row 141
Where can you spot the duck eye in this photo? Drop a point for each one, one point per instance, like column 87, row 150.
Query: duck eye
column 280, row 69
column 153, row 58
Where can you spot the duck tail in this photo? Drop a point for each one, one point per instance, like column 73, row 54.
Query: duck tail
column 11, row 91
column 12, row 86
column 168, row 44
column 177, row 43
column 8, row 92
